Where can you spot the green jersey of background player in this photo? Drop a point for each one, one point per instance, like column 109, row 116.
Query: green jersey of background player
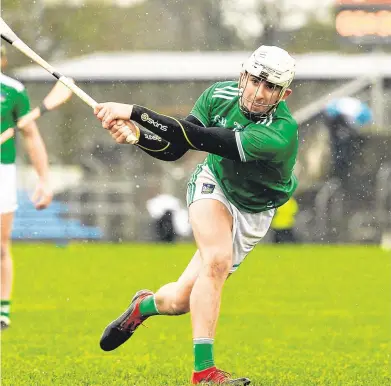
column 252, row 142
column 14, row 105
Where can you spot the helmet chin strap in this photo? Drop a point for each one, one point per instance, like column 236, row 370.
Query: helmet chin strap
column 256, row 116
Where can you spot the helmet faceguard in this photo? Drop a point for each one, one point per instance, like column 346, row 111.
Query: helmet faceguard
column 275, row 68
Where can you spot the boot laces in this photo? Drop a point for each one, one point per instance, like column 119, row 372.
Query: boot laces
column 218, row 375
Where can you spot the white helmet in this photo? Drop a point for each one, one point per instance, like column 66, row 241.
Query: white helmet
column 272, row 64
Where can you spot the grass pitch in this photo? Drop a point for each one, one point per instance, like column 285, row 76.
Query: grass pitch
column 302, row 315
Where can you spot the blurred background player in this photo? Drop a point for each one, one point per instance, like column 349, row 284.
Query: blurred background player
column 344, row 118
column 252, row 141
column 14, row 105
column 284, row 222
column 170, row 218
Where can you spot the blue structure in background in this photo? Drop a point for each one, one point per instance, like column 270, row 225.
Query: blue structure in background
column 48, row 224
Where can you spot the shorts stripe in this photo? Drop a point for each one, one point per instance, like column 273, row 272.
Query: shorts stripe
column 191, row 186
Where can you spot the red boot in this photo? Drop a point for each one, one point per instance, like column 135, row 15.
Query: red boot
column 121, row 329
column 214, row 376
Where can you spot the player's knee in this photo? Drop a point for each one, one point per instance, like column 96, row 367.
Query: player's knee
column 218, row 262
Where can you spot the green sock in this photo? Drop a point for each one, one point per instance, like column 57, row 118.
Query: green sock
column 203, row 353
column 5, row 306
column 148, row 306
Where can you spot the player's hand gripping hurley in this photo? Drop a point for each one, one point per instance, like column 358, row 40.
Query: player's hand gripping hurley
column 9, row 36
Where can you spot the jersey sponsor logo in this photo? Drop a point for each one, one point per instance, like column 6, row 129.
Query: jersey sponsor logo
column 218, row 119
column 146, row 118
column 207, row 188
column 222, row 121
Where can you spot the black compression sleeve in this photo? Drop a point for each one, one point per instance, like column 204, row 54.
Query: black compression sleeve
column 193, row 119
column 215, row 140
column 159, row 148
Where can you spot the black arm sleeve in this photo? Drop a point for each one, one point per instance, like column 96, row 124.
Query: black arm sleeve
column 215, row 140
column 159, row 148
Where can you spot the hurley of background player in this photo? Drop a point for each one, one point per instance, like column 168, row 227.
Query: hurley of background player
column 252, row 142
column 14, row 105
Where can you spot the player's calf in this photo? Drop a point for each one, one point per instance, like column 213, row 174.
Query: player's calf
column 172, row 299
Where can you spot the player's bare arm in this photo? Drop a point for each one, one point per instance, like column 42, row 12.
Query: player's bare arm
column 36, row 150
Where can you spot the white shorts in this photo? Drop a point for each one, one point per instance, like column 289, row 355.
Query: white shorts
column 248, row 228
column 8, row 201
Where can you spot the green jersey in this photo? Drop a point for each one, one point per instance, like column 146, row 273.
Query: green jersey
column 14, row 104
column 268, row 149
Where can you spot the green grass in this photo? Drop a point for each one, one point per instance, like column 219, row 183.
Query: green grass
column 305, row 315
